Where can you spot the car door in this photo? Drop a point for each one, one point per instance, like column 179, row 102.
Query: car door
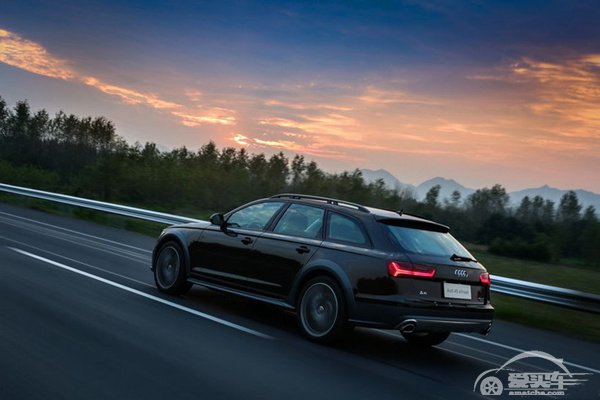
column 284, row 250
column 225, row 256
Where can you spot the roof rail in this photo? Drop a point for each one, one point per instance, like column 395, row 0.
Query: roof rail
column 320, row 198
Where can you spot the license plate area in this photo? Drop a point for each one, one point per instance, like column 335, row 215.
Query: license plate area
column 457, row 291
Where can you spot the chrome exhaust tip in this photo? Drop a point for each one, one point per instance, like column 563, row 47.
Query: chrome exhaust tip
column 407, row 326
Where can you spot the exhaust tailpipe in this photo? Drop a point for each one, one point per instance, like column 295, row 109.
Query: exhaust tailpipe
column 407, row 326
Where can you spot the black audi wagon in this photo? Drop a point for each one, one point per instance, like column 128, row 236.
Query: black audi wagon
column 337, row 264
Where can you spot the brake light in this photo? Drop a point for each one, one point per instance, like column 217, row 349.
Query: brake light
column 397, row 268
column 485, row 279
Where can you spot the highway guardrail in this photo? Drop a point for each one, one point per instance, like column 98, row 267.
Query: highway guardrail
column 554, row 295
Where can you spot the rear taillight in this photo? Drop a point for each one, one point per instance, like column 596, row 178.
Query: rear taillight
column 397, row 268
column 485, row 279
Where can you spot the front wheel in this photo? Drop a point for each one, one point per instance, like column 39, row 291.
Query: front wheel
column 425, row 338
column 169, row 270
column 321, row 310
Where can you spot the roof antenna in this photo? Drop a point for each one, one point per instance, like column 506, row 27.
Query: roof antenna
column 400, row 212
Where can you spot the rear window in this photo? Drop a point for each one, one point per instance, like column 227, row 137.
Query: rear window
column 421, row 241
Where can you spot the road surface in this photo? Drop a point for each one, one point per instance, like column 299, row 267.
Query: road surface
column 80, row 318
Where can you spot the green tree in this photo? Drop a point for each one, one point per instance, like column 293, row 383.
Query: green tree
column 569, row 207
column 431, row 198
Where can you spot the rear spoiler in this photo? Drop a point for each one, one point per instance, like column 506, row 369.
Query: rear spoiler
column 415, row 223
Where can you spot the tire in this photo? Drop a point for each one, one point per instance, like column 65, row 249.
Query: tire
column 321, row 310
column 425, row 338
column 169, row 270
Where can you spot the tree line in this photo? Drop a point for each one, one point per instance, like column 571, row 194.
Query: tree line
column 85, row 157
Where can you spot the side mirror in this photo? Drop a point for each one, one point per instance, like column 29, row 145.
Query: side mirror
column 217, row 219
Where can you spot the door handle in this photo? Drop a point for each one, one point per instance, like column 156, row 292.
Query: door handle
column 302, row 249
column 247, row 240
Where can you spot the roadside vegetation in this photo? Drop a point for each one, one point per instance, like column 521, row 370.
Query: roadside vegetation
column 557, row 244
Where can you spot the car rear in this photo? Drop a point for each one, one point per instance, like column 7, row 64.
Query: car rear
column 440, row 286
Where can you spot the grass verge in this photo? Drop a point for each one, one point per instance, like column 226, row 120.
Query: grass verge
column 572, row 323
column 568, row 276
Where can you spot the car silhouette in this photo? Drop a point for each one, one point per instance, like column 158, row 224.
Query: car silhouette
column 490, row 382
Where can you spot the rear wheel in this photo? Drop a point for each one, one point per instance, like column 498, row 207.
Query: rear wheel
column 321, row 310
column 169, row 270
column 425, row 338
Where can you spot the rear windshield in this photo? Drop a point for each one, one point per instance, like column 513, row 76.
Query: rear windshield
column 421, row 241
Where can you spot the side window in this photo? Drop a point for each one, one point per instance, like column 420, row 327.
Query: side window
column 301, row 220
column 254, row 217
column 345, row 229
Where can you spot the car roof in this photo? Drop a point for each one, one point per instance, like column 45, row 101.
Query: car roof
column 361, row 211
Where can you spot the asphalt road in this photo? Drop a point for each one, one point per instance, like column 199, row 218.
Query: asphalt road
column 80, row 318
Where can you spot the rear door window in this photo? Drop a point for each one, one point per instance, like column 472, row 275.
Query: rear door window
column 301, row 220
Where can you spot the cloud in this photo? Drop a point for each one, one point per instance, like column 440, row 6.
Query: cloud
column 30, row 56
column 330, row 124
column 130, row 96
column 193, row 95
column 382, row 97
column 568, row 91
column 216, row 115
column 306, row 105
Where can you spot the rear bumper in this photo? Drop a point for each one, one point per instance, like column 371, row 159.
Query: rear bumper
column 422, row 316
column 430, row 324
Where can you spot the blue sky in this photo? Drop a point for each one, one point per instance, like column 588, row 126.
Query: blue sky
column 482, row 92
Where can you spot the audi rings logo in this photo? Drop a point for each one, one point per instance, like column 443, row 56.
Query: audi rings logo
column 461, row 273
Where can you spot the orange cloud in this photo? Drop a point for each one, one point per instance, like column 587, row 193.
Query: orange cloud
column 29, row 56
column 193, row 94
column 216, row 115
column 381, row 97
column 32, row 57
column 306, row 105
column 130, row 96
column 567, row 91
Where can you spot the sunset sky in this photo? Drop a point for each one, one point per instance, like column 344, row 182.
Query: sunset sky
column 483, row 92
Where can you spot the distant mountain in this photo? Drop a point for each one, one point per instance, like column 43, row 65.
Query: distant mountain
column 447, row 187
column 390, row 180
column 585, row 198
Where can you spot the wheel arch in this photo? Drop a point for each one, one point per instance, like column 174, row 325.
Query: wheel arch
column 323, row 268
column 178, row 238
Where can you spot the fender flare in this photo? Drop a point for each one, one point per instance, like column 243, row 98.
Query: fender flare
column 177, row 237
column 323, row 267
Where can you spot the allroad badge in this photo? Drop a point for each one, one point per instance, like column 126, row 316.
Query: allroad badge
column 461, row 273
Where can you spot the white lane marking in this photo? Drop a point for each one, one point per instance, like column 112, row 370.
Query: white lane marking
column 146, row 295
column 440, row 348
column 78, row 262
column 77, row 232
column 503, row 358
column 107, row 248
column 521, row 350
column 469, row 356
column 490, row 342
column 471, row 348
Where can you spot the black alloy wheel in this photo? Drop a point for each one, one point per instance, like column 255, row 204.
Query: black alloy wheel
column 321, row 310
column 169, row 270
